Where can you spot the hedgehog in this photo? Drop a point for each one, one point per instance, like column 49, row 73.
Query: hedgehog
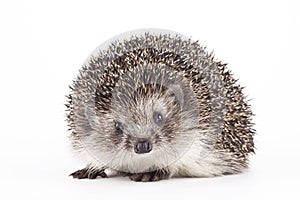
column 155, row 105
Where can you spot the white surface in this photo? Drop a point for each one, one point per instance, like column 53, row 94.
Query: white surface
column 43, row 44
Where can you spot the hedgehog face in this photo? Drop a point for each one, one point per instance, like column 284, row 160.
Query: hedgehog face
column 146, row 122
column 143, row 130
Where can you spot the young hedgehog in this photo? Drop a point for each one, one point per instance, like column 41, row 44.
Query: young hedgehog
column 152, row 106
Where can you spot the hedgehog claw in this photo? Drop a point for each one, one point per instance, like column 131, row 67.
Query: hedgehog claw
column 149, row 176
column 88, row 173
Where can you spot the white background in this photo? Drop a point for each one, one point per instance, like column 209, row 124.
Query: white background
column 43, row 44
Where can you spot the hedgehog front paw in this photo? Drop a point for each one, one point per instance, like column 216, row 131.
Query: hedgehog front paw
column 149, row 176
column 88, row 173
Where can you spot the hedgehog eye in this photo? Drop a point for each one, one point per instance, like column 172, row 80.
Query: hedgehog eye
column 118, row 127
column 158, row 118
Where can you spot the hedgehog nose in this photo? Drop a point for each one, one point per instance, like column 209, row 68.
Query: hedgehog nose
column 142, row 147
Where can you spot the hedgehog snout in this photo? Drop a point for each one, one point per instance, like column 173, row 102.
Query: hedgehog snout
column 142, row 146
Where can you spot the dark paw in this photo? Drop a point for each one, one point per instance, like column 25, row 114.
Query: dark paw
column 149, row 176
column 88, row 173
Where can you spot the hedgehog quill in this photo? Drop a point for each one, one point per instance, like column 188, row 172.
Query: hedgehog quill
column 155, row 105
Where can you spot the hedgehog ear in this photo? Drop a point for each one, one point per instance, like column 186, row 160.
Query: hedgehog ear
column 175, row 91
